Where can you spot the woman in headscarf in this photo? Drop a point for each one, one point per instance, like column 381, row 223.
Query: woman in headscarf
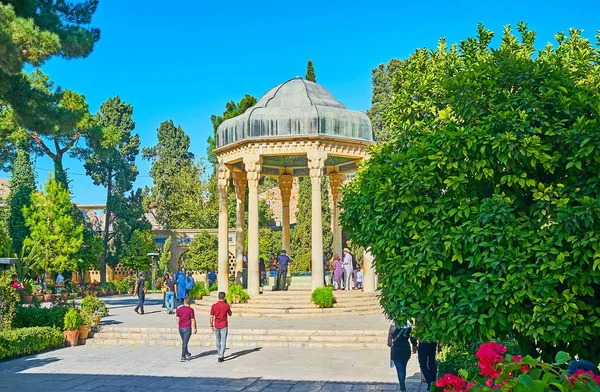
column 180, row 288
column 337, row 271
column 400, row 349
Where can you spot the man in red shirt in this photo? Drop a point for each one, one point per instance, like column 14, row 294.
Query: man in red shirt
column 185, row 319
column 218, row 323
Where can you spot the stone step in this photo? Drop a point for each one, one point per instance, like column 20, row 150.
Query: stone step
column 305, row 305
column 308, row 315
column 209, row 337
column 97, row 341
column 254, row 331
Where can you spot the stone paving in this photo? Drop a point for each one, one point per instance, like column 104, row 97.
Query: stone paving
column 135, row 368
column 86, row 368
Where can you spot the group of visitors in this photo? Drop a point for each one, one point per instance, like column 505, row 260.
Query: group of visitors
column 179, row 288
column 278, row 268
column 346, row 270
column 399, row 341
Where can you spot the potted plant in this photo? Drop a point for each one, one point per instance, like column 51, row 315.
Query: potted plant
column 87, row 320
column 72, row 323
column 93, row 305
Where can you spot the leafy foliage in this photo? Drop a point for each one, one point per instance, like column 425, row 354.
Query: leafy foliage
column 28, row 341
column 483, row 213
column 237, row 294
column 301, row 234
column 55, row 237
column 323, row 297
column 203, row 252
column 383, row 77
column 8, row 301
column 72, row 320
column 310, row 72
column 92, row 304
column 269, row 241
column 135, row 252
column 31, row 316
column 22, row 185
column 165, row 257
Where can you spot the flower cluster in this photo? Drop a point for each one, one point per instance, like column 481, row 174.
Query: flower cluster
column 452, row 383
column 489, row 354
column 583, row 376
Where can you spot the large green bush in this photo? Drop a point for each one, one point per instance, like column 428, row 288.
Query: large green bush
column 323, row 297
column 27, row 341
column 28, row 316
column 237, row 294
column 484, row 213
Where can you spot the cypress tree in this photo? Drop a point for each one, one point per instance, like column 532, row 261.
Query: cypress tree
column 310, row 72
column 21, row 187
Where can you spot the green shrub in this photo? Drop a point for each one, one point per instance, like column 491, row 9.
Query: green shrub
column 323, row 297
column 26, row 316
column 199, row 288
column 72, row 320
column 87, row 317
column 237, row 295
column 93, row 305
column 8, row 301
column 214, row 287
column 27, row 341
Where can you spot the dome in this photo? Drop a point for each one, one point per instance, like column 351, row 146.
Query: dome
column 295, row 108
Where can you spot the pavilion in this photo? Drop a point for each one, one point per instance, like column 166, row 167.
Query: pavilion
column 296, row 129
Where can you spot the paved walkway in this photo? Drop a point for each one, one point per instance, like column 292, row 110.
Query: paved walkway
column 135, row 368
column 122, row 314
column 86, row 368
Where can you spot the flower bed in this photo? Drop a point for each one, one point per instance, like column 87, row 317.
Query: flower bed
column 504, row 372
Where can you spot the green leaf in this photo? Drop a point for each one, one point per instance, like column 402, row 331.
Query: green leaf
column 561, row 358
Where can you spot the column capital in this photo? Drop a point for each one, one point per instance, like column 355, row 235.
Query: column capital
column 316, row 162
column 335, row 182
column 285, row 188
column 240, row 181
column 253, row 164
column 223, row 175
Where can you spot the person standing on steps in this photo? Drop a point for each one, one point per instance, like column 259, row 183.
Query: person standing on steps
column 338, row 272
column 400, row 350
column 189, row 283
column 218, row 323
column 185, row 318
column 348, row 269
column 180, row 290
column 140, row 291
column 284, row 260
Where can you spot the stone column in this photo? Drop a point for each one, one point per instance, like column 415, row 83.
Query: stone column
column 285, row 187
column 316, row 163
column 223, row 274
column 240, row 182
column 335, row 182
column 253, row 163
column 368, row 273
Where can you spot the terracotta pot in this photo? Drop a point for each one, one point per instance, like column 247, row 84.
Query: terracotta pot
column 28, row 299
column 84, row 330
column 39, row 298
column 73, row 295
column 64, row 295
column 101, row 293
column 111, row 292
column 48, row 297
column 97, row 320
column 71, row 338
column 199, row 295
column 85, row 294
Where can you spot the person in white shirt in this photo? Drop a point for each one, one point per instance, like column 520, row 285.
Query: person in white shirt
column 60, row 282
column 348, row 269
column 359, row 278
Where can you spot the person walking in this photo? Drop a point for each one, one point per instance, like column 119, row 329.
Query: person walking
column 140, row 291
column 245, row 270
column 284, row 261
column 185, row 319
column 348, row 269
column 427, row 362
column 180, row 290
column 338, row 271
column 170, row 287
column 400, row 350
column 218, row 323
column 212, row 278
column 189, row 283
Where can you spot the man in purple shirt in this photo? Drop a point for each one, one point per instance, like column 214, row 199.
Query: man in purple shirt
column 284, row 261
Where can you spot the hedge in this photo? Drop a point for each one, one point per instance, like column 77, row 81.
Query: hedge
column 39, row 317
column 27, row 341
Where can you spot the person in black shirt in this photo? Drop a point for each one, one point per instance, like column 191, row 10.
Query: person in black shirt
column 140, row 292
column 400, row 350
column 170, row 286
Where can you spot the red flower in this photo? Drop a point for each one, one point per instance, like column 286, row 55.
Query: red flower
column 452, row 383
column 583, row 376
column 524, row 368
column 489, row 354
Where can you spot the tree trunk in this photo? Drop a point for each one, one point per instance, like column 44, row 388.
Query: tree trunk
column 60, row 175
column 106, row 228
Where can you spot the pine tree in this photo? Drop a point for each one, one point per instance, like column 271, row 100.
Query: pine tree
column 111, row 161
column 21, row 187
column 54, row 235
column 310, row 72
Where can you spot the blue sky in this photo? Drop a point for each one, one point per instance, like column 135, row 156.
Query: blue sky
column 182, row 60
